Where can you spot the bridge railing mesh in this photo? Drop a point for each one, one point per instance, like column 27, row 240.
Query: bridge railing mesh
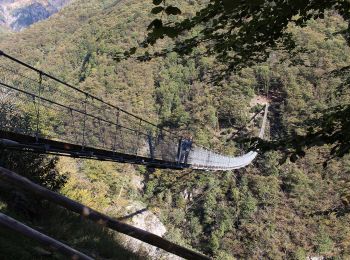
column 37, row 104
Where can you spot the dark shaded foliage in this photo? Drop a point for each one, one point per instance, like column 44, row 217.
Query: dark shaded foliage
column 331, row 129
column 39, row 168
column 241, row 33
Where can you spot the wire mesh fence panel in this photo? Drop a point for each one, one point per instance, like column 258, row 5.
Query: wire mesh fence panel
column 130, row 141
column 66, row 126
column 144, row 147
column 166, row 147
column 90, row 132
column 11, row 116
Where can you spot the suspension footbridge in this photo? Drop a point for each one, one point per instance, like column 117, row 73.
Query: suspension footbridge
column 43, row 114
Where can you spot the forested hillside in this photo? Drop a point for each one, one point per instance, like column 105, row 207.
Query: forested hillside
column 274, row 209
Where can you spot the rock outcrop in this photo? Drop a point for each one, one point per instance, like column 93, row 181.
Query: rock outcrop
column 17, row 15
column 139, row 216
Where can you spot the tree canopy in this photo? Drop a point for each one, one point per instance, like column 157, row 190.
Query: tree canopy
column 244, row 33
column 240, row 32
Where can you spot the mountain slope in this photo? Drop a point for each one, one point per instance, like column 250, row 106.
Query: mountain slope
column 17, row 15
column 274, row 209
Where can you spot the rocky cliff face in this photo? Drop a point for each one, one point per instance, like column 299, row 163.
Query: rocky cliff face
column 140, row 217
column 19, row 14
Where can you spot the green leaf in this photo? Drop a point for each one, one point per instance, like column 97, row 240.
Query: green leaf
column 157, row 10
column 157, row 2
column 170, row 32
column 229, row 5
column 132, row 50
column 156, row 23
column 172, row 10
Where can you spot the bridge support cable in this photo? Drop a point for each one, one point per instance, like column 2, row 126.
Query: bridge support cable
column 45, row 240
column 98, row 217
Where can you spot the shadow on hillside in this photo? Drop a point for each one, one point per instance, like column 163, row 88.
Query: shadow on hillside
column 132, row 214
column 338, row 211
column 63, row 225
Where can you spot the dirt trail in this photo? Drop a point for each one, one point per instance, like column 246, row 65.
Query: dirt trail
column 259, row 100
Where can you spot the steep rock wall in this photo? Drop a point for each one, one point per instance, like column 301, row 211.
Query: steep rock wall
column 17, row 15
